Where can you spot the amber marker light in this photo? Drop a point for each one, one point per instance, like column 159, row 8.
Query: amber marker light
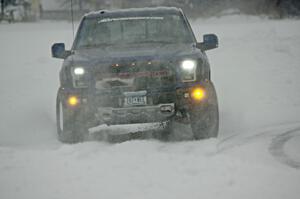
column 73, row 101
column 198, row 94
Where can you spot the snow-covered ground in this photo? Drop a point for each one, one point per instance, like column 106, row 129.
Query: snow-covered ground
column 256, row 72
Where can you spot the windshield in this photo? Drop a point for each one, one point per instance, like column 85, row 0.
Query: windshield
column 96, row 32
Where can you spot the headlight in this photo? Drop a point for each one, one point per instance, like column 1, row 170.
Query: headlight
column 79, row 71
column 79, row 77
column 188, row 70
column 188, row 65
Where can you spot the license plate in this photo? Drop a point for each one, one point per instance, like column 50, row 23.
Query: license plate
column 133, row 101
column 135, row 98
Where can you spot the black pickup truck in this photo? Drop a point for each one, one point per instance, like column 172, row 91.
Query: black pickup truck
column 136, row 66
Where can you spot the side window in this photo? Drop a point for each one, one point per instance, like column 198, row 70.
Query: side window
column 177, row 28
column 85, row 36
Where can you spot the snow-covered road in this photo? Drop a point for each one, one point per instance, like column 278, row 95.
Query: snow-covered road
column 256, row 73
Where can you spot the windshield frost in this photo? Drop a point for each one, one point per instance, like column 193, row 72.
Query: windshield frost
column 128, row 30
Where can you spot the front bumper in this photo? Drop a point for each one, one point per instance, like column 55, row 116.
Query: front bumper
column 139, row 114
column 95, row 109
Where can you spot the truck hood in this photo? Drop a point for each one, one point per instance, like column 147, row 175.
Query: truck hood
column 135, row 52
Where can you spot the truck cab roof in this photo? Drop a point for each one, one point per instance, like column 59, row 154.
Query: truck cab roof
column 133, row 12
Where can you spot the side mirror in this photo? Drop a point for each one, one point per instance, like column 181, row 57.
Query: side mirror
column 58, row 51
column 210, row 41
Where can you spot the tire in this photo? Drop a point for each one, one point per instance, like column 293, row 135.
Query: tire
column 164, row 134
column 205, row 119
column 168, row 130
column 69, row 128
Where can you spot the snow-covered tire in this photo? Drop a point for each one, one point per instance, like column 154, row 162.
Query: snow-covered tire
column 69, row 128
column 165, row 133
column 205, row 120
column 205, row 124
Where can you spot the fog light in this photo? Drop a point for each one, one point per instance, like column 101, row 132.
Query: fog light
column 73, row 101
column 198, row 94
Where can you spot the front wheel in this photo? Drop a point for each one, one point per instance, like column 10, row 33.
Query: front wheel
column 165, row 132
column 70, row 128
column 205, row 119
column 205, row 124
